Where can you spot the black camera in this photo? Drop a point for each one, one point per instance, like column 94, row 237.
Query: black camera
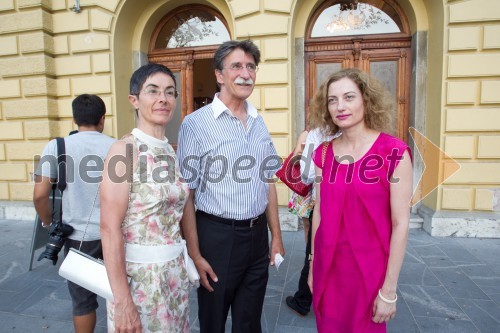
column 57, row 235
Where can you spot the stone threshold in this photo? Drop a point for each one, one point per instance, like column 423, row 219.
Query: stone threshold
column 291, row 222
column 460, row 224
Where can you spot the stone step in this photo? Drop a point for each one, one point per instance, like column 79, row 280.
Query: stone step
column 416, row 222
column 290, row 222
column 17, row 210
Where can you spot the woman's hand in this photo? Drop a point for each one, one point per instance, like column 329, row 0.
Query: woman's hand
column 383, row 311
column 126, row 317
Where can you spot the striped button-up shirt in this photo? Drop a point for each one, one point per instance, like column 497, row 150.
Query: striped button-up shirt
column 228, row 165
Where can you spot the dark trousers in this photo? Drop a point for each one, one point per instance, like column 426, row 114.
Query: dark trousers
column 303, row 296
column 239, row 257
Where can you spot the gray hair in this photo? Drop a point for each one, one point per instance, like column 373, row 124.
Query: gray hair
column 227, row 47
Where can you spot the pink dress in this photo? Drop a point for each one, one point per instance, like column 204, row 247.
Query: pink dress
column 351, row 247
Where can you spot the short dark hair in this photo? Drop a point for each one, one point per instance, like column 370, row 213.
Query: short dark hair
column 88, row 110
column 144, row 72
column 227, row 47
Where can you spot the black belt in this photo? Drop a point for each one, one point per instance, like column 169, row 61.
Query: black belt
column 237, row 223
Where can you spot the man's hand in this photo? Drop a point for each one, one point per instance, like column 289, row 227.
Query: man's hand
column 276, row 247
column 274, row 224
column 310, row 277
column 205, row 270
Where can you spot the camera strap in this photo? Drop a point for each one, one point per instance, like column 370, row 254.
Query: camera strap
column 61, row 174
column 62, row 183
column 61, row 163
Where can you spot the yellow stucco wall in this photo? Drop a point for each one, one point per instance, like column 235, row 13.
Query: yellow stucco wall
column 470, row 116
column 49, row 54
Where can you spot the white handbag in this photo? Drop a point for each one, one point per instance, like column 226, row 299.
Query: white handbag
column 90, row 273
column 86, row 271
column 192, row 272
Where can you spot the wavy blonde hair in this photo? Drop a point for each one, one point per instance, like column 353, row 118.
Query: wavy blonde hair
column 376, row 100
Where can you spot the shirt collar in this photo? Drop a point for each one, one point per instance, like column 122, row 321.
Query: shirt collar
column 218, row 107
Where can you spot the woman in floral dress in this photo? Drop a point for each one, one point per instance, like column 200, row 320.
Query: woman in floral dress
column 140, row 222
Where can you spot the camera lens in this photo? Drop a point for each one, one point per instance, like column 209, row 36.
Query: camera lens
column 57, row 235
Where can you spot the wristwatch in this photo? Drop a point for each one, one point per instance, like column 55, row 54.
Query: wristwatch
column 46, row 226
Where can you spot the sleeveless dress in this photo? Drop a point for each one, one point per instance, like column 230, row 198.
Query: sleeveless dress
column 160, row 290
column 351, row 248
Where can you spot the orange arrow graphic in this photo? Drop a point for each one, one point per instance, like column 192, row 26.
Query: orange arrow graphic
column 437, row 166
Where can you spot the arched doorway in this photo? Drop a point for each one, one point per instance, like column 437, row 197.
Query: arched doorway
column 373, row 36
column 185, row 41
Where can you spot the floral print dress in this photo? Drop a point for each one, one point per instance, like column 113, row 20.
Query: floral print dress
column 157, row 197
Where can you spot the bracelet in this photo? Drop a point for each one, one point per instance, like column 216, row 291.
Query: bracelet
column 390, row 301
column 310, row 257
column 46, row 226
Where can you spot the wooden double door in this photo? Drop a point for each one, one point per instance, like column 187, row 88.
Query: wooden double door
column 196, row 83
column 387, row 59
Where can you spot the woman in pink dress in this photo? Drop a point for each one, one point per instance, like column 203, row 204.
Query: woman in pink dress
column 361, row 217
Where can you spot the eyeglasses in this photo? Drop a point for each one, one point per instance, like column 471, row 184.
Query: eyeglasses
column 252, row 68
column 156, row 93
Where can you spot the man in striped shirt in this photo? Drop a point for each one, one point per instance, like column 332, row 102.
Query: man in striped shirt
column 228, row 159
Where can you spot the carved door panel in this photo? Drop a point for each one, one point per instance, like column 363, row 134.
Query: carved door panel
column 172, row 130
column 374, row 55
column 321, row 64
column 182, row 64
column 183, row 73
column 392, row 68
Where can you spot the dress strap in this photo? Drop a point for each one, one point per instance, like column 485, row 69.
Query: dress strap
column 326, row 144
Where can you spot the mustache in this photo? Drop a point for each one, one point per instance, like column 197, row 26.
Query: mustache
column 240, row 80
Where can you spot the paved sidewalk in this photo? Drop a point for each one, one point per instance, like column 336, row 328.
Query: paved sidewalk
column 446, row 285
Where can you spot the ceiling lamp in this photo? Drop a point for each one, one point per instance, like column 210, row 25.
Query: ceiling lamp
column 351, row 16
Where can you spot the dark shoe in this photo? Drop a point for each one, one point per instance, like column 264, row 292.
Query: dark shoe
column 290, row 301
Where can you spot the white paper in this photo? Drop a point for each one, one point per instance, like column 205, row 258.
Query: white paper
column 278, row 259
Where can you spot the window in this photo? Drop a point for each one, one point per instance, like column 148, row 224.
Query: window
column 365, row 19
column 189, row 28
